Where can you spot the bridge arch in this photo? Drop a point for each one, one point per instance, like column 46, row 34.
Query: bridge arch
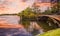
column 54, row 19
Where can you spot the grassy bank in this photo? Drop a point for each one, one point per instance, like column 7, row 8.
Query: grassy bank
column 51, row 33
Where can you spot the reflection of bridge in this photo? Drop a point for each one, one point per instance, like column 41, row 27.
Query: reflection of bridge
column 51, row 21
column 55, row 18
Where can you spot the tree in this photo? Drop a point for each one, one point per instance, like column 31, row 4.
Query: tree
column 36, row 9
column 47, row 12
column 56, row 8
column 27, row 15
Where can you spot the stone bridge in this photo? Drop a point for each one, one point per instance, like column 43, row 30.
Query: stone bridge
column 57, row 17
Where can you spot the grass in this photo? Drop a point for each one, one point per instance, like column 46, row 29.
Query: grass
column 51, row 33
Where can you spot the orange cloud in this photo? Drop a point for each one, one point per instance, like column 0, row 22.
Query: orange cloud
column 13, row 6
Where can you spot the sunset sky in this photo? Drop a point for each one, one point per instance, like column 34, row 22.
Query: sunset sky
column 14, row 6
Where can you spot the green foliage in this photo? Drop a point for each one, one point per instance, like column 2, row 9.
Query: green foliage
column 47, row 12
column 54, row 10
column 51, row 33
column 58, row 6
column 25, row 23
column 27, row 15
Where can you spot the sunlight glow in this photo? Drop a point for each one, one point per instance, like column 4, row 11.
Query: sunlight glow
column 14, row 6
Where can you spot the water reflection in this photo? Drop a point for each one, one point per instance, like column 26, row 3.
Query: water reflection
column 13, row 32
column 33, row 28
column 10, row 19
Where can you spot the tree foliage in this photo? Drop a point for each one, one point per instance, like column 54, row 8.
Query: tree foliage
column 27, row 15
column 54, row 9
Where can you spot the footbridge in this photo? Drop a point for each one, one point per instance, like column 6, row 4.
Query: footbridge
column 57, row 17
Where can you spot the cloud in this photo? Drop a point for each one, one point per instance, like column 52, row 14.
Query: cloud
column 14, row 6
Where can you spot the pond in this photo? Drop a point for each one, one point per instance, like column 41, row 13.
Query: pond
column 11, row 31
column 10, row 19
column 14, row 19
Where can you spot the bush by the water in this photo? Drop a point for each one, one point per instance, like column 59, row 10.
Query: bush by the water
column 51, row 33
